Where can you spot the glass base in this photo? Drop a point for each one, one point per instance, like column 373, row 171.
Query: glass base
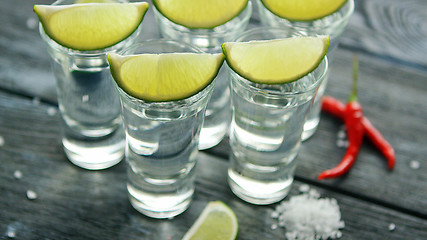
column 92, row 156
column 258, row 192
column 211, row 136
column 218, row 112
column 310, row 127
column 159, row 205
column 313, row 116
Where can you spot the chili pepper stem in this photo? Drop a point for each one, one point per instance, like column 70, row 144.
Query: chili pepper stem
column 353, row 95
column 353, row 116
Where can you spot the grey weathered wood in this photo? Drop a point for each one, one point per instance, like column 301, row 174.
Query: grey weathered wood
column 73, row 203
column 77, row 204
column 391, row 29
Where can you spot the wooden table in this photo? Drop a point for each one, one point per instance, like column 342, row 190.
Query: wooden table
column 390, row 37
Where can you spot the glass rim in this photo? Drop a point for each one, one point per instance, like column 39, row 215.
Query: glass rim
column 252, row 85
column 247, row 11
column 159, row 41
column 256, row 30
column 170, row 105
column 60, row 1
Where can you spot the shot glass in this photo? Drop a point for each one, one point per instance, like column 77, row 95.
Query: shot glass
column 218, row 111
column 162, row 140
column 91, row 127
column 265, row 133
column 332, row 25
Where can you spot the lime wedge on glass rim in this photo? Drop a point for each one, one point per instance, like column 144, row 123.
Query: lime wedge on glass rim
column 216, row 222
column 303, row 10
column 276, row 61
column 200, row 13
column 164, row 77
column 90, row 26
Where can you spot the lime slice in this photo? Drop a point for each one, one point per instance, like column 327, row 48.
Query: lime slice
column 276, row 61
column 217, row 222
column 164, row 77
column 90, row 26
column 303, row 10
column 200, row 13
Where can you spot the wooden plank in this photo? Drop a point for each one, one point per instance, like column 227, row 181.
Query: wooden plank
column 73, row 203
column 24, row 63
column 389, row 28
column 392, row 91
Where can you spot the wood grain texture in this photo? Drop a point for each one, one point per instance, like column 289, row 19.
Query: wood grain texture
column 73, row 203
column 388, row 35
column 392, row 29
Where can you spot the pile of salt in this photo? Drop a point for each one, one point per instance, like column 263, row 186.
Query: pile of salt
column 307, row 216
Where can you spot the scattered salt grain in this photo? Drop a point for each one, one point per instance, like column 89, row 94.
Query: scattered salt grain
column 1, row 141
column 17, row 174
column 11, row 231
column 31, row 195
column 342, row 143
column 414, row 164
column 391, row 227
column 85, row 98
column 307, row 216
column 31, row 23
column 341, row 134
column 273, row 226
column 313, row 193
column 36, row 101
column 304, row 188
column 51, row 111
column 274, row 214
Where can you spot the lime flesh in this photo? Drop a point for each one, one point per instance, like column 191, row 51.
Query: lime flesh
column 200, row 13
column 216, row 222
column 303, row 10
column 90, row 26
column 276, row 61
column 164, row 77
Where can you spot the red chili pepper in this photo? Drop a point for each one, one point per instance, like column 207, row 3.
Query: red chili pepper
column 335, row 107
column 353, row 116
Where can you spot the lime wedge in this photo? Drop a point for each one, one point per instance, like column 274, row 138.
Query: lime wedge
column 217, row 222
column 90, row 26
column 276, row 61
column 303, row 10
column 200, row 13
column 164, row 77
